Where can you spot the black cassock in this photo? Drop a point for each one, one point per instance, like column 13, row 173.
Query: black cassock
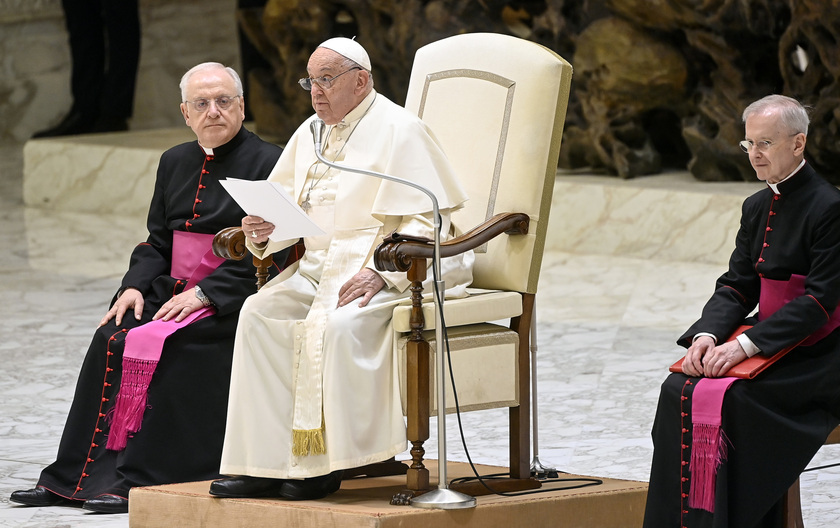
column 184, row 423
column 776, row 422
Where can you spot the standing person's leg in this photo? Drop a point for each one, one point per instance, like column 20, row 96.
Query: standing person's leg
column 122, row 57
column 84, row 23
column 250, row 56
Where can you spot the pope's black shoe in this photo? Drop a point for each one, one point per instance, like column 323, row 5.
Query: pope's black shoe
column 107, row 504
column 313, row 488
column 245, row 486
column 39, row 496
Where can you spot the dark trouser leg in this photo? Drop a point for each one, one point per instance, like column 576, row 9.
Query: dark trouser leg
column 122, row 29
column 87, row 51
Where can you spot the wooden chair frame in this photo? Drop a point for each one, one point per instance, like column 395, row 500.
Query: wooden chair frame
column 411, row 257
column 793, row 502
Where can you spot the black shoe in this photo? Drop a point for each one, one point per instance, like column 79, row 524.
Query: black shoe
column 107, row 504
column 74, row 123
column 39, row 496
column 312, row 488
column 245, row 487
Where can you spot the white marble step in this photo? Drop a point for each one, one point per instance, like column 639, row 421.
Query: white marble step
column 668, row 217
column 96, row 173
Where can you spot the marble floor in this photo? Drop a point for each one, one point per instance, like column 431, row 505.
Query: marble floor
column 606, row 326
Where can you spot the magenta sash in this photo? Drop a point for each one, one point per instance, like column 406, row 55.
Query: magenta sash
column 192, row 260
column 708, row 442
column 777, row 293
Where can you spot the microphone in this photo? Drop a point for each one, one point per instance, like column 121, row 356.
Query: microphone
column 317, row 129
column 443, row 496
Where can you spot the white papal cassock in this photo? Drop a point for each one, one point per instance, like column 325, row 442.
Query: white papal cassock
column 314, row 387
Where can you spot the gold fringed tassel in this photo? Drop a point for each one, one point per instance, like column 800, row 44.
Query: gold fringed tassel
column 308, row 442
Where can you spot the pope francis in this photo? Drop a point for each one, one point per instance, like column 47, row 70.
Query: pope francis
column 314, row 388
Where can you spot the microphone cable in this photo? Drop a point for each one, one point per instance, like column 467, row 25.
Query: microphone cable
column 820, row 467
column 444, row 353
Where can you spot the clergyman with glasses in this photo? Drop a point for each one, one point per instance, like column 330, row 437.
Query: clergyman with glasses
column 151, row 397
column 313, row 389
column 726, row 449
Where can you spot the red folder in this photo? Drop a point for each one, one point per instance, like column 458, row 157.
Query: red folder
column 750, row 367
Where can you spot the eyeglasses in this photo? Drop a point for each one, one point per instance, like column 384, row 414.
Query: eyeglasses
column 324, row 82
column 762, row 146
column 222, row 103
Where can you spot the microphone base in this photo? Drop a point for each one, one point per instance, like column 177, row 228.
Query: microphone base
column 444, row 499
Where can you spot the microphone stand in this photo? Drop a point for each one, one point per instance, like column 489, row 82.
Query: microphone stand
column 442, row 498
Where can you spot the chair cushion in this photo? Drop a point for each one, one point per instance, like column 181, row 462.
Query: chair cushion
column 490, row 306
column 484, row 363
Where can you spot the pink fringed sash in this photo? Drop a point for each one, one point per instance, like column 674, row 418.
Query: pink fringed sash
column 708, row 441
column 192, row 259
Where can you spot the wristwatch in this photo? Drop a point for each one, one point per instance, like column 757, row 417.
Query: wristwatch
column 200, row 295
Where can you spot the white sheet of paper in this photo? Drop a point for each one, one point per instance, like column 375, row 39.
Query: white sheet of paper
column 271, row 202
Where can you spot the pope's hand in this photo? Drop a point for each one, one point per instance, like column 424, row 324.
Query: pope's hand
column 364, row 284
column 256, row 229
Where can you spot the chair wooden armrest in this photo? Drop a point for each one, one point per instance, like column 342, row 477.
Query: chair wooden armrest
column 396, row 252
column 229, row 243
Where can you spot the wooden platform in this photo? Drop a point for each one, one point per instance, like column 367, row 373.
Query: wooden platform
column 365, row 503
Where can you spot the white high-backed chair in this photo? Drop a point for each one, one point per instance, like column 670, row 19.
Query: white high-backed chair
column 497, row 105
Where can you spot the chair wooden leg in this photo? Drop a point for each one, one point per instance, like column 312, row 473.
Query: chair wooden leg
column 417, row 392
column 793, row 507
column 519, row 420
column 520, row 417
column 417, row 431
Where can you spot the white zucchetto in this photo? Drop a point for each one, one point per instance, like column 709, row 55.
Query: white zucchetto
column 350, row 49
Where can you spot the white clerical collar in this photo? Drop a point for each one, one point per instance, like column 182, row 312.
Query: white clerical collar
column 775, row 186
column 207, row 151
column 358, row 112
